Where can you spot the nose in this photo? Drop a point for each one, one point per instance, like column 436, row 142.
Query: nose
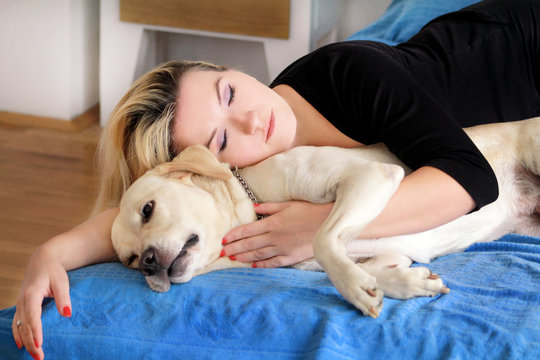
column 249, row 122
column 152, row 261
column 149, row 262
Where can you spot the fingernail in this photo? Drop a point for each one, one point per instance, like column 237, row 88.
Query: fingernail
column 36, row 343
column 66, row 311
column 222, row 254
column 223, row 242
column 254, row 265
column 19, row 345
column 232, row 257
column 256, row 204
column 34, row 356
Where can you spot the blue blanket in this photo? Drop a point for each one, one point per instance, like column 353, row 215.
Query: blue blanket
column 492, row 312
column 404, row 18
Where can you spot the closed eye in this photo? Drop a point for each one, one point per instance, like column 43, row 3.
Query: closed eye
column 131, row 259
column 224, row 141
column 232, row 93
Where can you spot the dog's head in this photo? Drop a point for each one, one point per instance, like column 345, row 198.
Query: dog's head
column 172, row 219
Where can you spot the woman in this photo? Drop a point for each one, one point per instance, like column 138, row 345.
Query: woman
column 474, row 66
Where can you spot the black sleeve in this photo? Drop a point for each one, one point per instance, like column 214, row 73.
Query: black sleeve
column 371, row 97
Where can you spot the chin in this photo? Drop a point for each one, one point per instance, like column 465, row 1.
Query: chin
column 185, row 277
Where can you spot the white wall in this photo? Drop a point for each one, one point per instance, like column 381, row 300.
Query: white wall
column 49, row 63
column 50, row 52
column 358, row 14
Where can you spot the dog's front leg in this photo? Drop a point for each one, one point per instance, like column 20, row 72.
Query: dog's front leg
column 361, row 195
column 397, row 280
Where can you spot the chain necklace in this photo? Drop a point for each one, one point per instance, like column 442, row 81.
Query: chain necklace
column 247, row 189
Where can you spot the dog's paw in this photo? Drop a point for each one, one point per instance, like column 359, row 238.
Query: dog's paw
column 405, row 283
column 361, row 290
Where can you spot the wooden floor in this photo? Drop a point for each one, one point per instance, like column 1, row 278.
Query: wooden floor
column 47, row 186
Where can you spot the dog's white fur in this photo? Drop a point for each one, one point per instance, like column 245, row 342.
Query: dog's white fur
column 196, row 197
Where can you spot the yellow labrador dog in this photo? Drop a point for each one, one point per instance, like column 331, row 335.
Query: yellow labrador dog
column 173, row 218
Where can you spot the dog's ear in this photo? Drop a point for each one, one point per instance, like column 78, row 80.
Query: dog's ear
column 196, row 159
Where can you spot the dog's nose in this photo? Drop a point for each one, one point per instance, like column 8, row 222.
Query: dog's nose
column 148, row 263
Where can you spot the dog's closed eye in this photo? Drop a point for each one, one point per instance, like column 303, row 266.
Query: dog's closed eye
column 147, row 211
column 131, row 259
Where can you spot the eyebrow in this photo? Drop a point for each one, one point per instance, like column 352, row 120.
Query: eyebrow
column 219, row 99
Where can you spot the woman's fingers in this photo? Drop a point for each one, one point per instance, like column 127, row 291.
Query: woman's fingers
column 248, row 243
column 60, row 289
column 15, row 330
column 270, row 208
column 245, row 231
column 281, row 257
column 42, row 280
column 26, row 326
column 255, row 228
column 258, row 254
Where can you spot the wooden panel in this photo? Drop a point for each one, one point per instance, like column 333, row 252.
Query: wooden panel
column 47, row 186
column 268, row 18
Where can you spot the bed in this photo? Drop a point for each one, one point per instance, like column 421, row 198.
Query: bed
column 492, row 311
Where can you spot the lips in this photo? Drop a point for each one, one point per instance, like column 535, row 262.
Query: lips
column 270, row 128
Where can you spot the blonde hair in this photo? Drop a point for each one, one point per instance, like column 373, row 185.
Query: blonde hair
column 138, row 135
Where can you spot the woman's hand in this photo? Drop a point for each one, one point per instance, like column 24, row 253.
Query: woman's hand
column 44, row 277
column 284, row 237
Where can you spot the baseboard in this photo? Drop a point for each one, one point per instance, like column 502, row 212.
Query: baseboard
column 76, row 124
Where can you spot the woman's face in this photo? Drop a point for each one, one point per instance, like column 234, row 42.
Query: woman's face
column 238, row 118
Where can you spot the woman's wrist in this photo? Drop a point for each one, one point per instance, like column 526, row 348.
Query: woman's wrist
column 54, row 250
column 44, row 252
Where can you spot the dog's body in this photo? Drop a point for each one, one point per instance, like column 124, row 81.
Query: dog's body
column 174, row 217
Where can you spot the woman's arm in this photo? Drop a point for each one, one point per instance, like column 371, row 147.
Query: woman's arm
column 425, row 199
column 88, row 243
column 46, row 275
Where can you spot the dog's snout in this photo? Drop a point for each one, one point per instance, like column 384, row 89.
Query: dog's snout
column 148, row 263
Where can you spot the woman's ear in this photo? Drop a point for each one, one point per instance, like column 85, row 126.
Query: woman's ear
column 195, row 159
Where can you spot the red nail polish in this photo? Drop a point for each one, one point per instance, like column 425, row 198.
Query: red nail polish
column 222, row 254
column 36, row 343
column 256, row 204
column 34, row 356
column 66, row 311
column 223, row 242
column 19, row 345
column 254, row 265
column 232, row 257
